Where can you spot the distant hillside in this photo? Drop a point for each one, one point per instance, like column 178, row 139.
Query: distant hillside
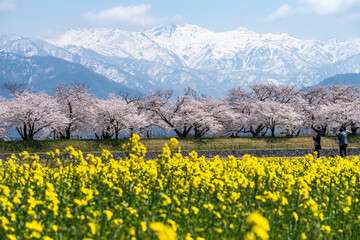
column 341, row 79
column 44, row 73
column 178, row 56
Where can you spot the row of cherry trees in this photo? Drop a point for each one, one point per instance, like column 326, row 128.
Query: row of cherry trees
column 264, row 109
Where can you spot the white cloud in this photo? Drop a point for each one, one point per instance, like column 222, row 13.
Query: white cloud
column 347, row 10
column 7, row 5
column 281, row 12
column 135, row 14
column 325, row 7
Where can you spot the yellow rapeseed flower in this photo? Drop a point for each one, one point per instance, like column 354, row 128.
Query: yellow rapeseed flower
column 326, row 229
column 193, row 155
column 34, row 225
column 162, row 231
column 173, row 142
column 92, row 227
column 259, row 225
column 295, row 215
column 47, row 238
column 195, row 209
column 55, row 228
column 255, row 218
column 108, row 214
column 260, row 232
column 143, row 226
column 11, row 236
column 249, row 236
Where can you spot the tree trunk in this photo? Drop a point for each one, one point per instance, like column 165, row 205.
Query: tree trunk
column 200, row 133
column 184, row 133
column 255, row 132
column 272, row 129
column 107, row 134
column 353, row 128
column 22, row 132
column 116, row 133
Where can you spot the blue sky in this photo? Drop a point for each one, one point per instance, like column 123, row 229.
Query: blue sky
column 305, row 19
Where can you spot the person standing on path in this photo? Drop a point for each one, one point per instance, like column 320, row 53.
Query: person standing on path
column 317, row 143
column 342, row 136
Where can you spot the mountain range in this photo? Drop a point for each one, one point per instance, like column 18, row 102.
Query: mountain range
column 45, row 72
column 341, row 79
column 174, row 57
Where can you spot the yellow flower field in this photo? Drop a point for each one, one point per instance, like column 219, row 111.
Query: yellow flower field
column 176, row 197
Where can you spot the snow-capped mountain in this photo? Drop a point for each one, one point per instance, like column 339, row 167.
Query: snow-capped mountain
column 177, row 56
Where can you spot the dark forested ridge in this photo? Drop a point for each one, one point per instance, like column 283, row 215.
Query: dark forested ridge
column 341, row 79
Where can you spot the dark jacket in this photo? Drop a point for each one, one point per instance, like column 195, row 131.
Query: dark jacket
column 317, row 141
column 342, row 138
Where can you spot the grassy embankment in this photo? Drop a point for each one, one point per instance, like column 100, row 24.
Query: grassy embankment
column 186, row 144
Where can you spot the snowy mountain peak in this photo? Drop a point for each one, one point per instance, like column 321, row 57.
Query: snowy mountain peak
column 178, row 37
column 170, row 29
column 162, row 29
column 29, row 47
column 244, row 30
column 7, row 38
column 224, row 55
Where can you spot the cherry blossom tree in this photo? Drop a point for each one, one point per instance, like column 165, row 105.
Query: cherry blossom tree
column 76, row 102
column 331, row 107
column 3, row 110
column 265, row 108
column 278, row 93
column 315, row 108
column 232, row 122
column 31, row 114
column 237, row 117
column 342, row 93
column 249, row 117
column 237, row 95
column 16, row 89
column 276, row 115
column 294, row 120
column 343, row 107
column 200, row 114
column 256, row 123
column 164, row 111
column 115, row 115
